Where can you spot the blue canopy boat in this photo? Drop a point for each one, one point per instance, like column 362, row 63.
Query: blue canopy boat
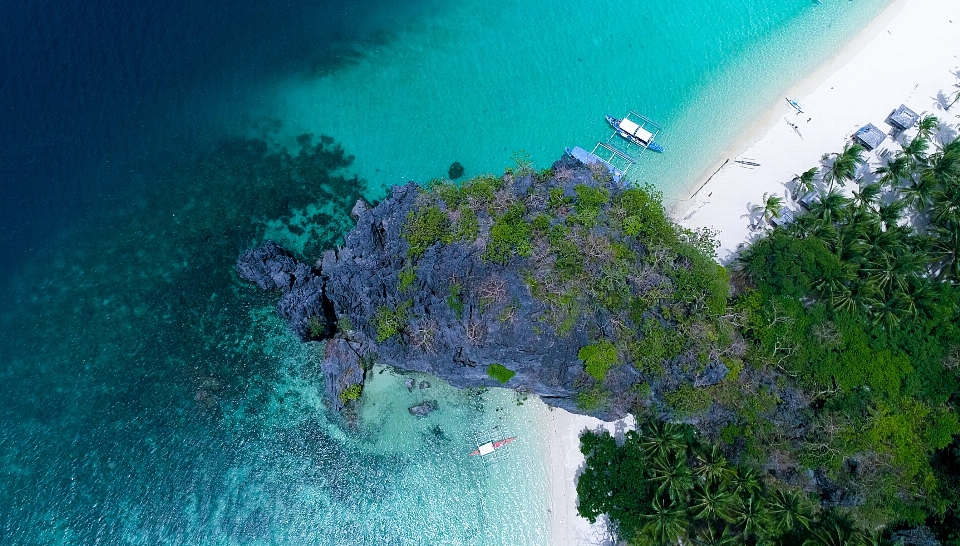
column 637, row 132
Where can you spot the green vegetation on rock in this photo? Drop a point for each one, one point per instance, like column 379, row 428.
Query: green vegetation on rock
column 500, row 372
column 350, row 393
column 598, row 358
column 390, row 322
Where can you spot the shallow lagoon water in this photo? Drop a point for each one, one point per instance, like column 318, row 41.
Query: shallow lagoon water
column 151, row 397
column 483, row 80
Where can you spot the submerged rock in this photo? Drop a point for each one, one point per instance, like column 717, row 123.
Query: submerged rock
column 455, row 171
column 423, row 408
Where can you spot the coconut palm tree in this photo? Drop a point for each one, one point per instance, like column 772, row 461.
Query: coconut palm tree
column 919, row 195
column 894, row 172
column 834, row 532
column 867, row 196
column 945, row 204
column 772, row 204
column 845, row 165
column 944, row 249
column 672, row 476
column 916, row 150
column 715, row 535
column 712, row 466
column 712, row 502
column 665, row 524
column 658, row 439
column 803, row 184
column 746, row 482
column 751, row 514
column 891, row 214
column 927, row 126
column 790, row 509
column 830, row 206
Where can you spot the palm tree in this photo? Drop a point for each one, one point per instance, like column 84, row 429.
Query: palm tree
column 845, row 165
column 927, row 125
column 919, row 195
column 895, row 171
column 945, row 204
column 673, row 477
column 916, row 150
column 891, row 214
column 790, row 509
column 659, row 439
column 665, row 524
column 712, row 502
column 803, row 183
column 833, row 532
column 944, row 249
column 956, row 97
column 710, row 536
column 751, row 514
column 712, row 466
column 746, row 482
column 867, row 196
column 771, row 206
column 830, row 206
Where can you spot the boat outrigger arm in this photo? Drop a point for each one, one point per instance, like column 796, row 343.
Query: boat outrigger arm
column 612, row 155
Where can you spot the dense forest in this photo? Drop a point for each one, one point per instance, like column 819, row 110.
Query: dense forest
column 841, row 408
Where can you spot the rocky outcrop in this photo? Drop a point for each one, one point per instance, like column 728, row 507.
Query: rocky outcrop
column 457, row 313
column 423, row 408
column 302, row 305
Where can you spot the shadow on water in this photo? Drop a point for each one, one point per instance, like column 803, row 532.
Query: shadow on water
column 148, row 395
column 93, row 93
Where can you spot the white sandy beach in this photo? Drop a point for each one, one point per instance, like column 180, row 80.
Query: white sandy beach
column 908, row 55
column 563, row 442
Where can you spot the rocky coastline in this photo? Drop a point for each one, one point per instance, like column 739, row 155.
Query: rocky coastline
column 458, row 313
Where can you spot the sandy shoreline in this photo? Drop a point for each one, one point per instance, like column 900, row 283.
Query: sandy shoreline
column 563, row 445
column 908, row 54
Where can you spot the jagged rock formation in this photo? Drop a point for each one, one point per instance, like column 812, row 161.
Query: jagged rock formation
column 455, row 303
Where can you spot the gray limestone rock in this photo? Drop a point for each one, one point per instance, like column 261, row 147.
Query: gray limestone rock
column 423, row 408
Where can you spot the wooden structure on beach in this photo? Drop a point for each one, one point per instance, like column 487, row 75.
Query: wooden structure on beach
column 869, row 136
column 903, row 118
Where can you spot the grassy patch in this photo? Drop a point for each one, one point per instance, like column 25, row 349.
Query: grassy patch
column 598, row 358
column 500, row 372
column 350, row 393
column 390, row 322
column 424, row 227
column 509, row 235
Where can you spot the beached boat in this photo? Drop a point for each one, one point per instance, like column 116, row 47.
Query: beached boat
column 636, row 133
column 490, row 447
column 795, row 104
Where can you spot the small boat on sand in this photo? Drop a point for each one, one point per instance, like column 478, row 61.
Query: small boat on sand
column 635, row 132
column 795, row 104
column 490, row 447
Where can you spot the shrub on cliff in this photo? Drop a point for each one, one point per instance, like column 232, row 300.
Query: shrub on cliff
column 500, row 372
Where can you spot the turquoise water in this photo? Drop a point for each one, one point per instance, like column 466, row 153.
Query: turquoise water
column 150, row 397
column 483, row 79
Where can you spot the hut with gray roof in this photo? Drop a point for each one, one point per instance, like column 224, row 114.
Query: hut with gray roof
column 869, row 136
column 903, row 118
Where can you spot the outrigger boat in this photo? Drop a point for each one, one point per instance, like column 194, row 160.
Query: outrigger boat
column 795, row 104
column 637, row 133
column 490, row 447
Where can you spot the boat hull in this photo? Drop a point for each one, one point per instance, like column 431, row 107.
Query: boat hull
column 652, row 145
column 490, row 447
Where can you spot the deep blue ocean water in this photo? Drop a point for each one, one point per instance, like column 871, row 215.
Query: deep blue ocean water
column 147, row 395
